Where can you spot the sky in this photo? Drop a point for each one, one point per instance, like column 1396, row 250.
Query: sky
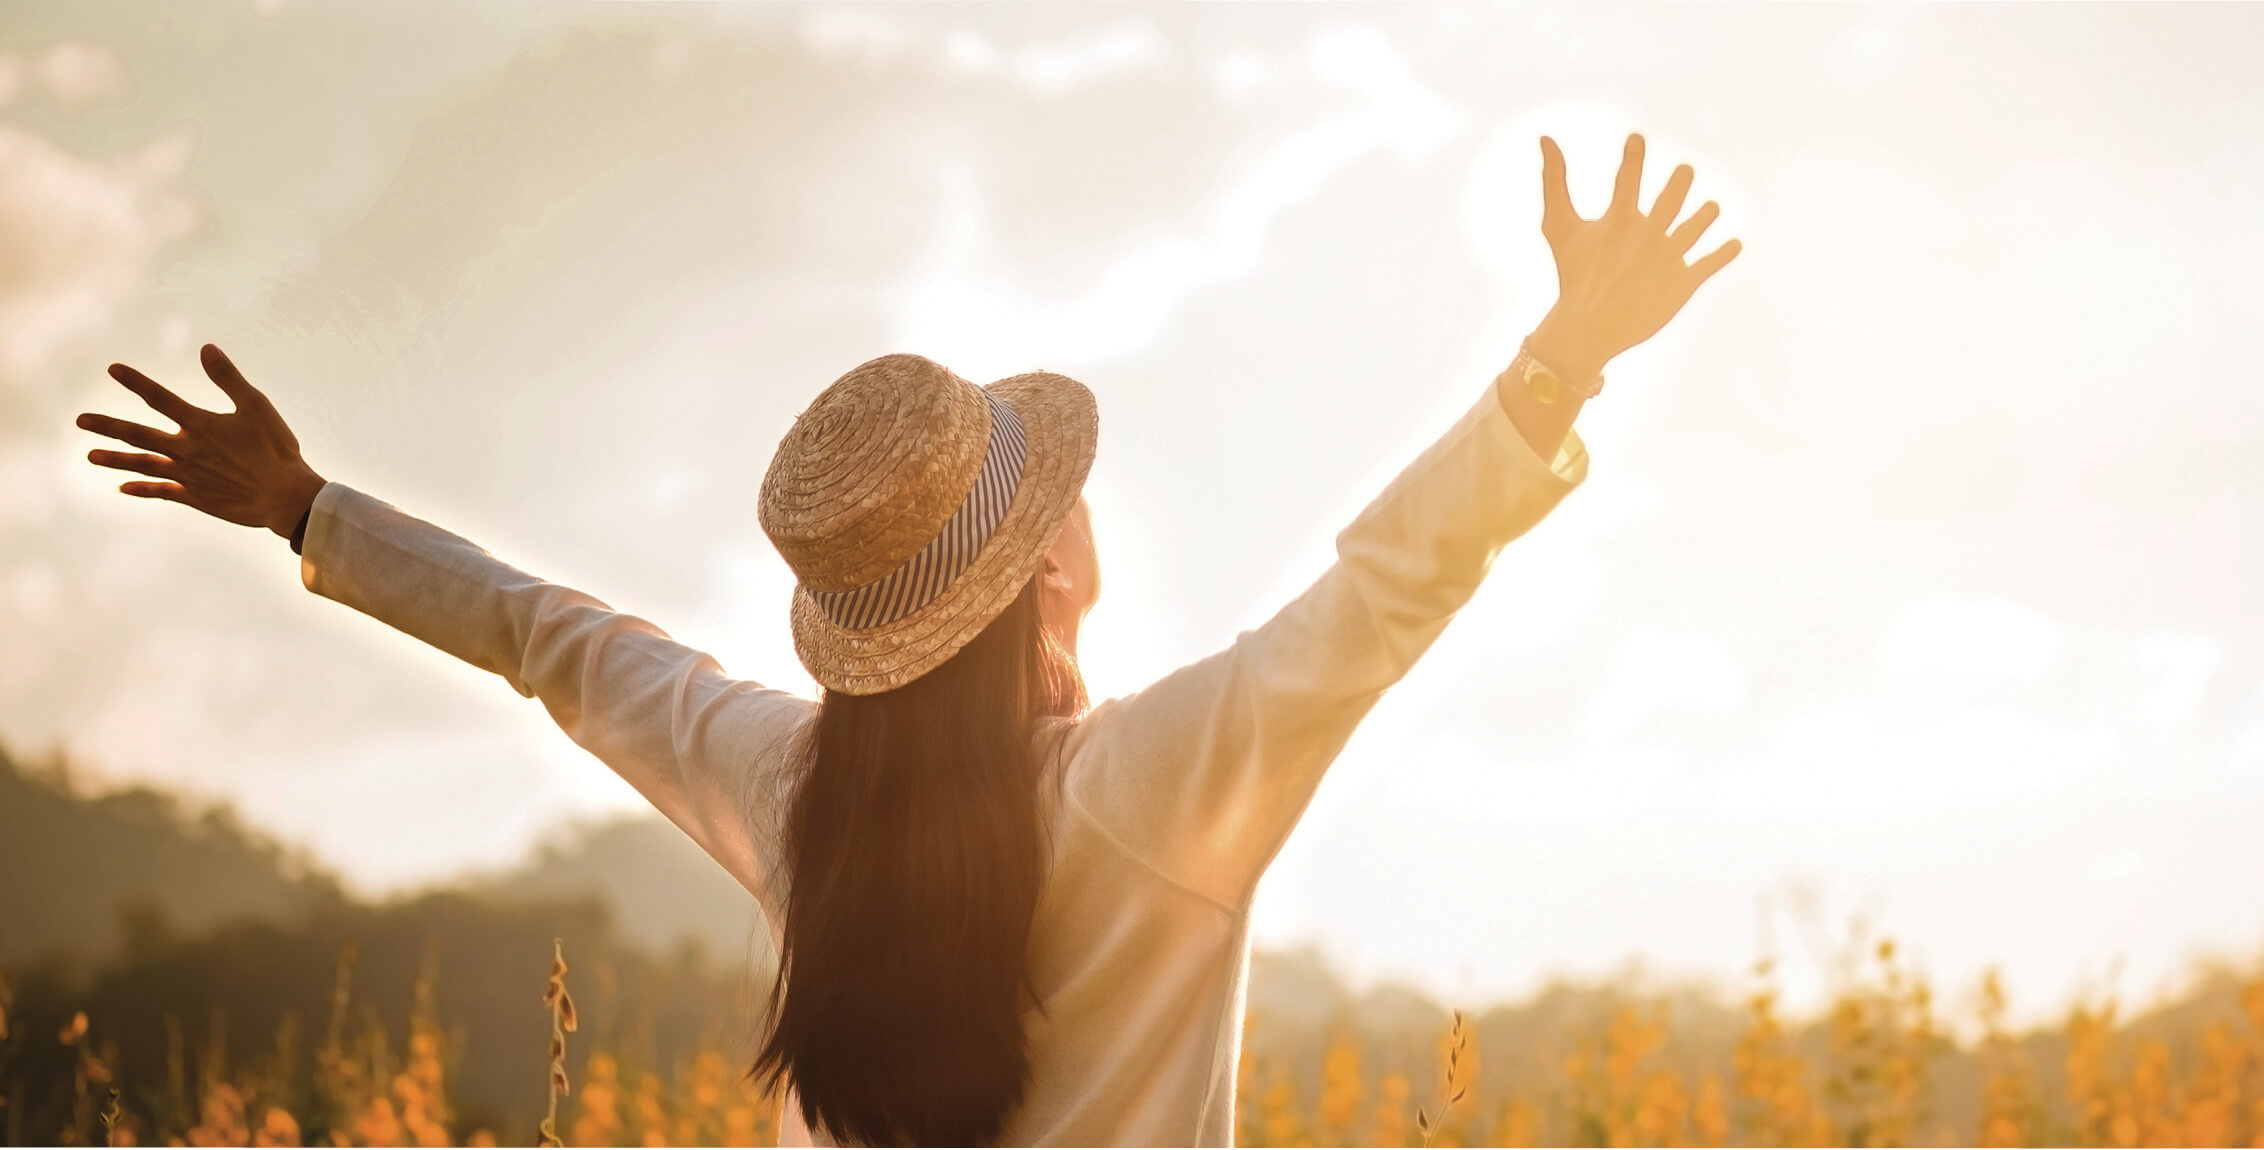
column 1913, row 580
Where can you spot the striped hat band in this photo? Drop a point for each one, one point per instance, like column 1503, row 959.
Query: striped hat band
column 925, row 575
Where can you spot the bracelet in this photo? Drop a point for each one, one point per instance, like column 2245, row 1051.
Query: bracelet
column 1544, row 381
column 299, row 533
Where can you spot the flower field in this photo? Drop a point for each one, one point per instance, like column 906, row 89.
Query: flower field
column 1885, row 1065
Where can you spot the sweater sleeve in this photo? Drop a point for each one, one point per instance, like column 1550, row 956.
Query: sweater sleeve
column 696, row 743
column 1203, row 774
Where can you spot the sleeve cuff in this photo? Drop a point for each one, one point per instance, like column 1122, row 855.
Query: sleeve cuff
column 1569, row 468
column 314, row 534
column 1571, row 463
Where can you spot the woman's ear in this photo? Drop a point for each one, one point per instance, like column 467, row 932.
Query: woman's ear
column 1057, row 606
column 1054, row 577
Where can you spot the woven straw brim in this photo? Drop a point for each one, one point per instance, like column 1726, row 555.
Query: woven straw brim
column 1061, row 428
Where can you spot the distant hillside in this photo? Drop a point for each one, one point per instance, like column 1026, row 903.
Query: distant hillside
column 661, row 888
column 73, row 862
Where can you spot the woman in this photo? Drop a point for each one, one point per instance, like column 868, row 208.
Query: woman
column 1001, row 918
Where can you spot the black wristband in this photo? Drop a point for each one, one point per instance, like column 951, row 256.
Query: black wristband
column 299, row 533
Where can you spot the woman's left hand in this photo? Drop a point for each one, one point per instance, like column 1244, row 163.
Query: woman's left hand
column 1621, row 276
column 242, row 466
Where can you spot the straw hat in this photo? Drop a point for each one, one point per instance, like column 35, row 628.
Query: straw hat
column 913, row 506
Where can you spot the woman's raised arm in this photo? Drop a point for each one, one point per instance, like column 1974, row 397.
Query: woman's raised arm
column 1203, row 774
column 694, row 741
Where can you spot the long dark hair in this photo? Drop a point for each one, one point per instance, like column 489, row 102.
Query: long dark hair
column 913, row 842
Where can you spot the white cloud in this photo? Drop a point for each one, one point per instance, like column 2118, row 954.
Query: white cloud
column 971, row 50
column 2013, row 260
column 1362, row 59
column 1845, row 758
column 1447, row 774
column 35, row 478
column 866, row 36
column 1830, row 278
column 1871, row 47
column 1052, row 67
column 1241, row 75
column 1063, row 64
column 2180, row 668
column 71, row 74
column 964, row 303
column 1971, row 643
column 2247, row 753
column 78, row 236
column 1661, row 671
column 74, row 73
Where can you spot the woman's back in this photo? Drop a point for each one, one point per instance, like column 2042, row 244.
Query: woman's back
column 1164, row 807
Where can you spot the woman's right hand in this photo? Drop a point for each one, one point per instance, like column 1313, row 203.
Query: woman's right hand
column 242, row 466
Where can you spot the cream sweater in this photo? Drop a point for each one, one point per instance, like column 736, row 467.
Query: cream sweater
column 1172, row 799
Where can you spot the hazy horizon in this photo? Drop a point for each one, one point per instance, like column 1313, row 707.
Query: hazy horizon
column 1915, row 568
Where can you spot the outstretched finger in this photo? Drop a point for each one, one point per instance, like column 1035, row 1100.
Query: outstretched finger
column 1556, row 198
column 1669, row 204
column 1630, row 182
column 156, row 465
column 153, row 393
column 1686, row 234
column 145, row 490
column 130, row 434
column 1714, row 261
column 232, row 382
